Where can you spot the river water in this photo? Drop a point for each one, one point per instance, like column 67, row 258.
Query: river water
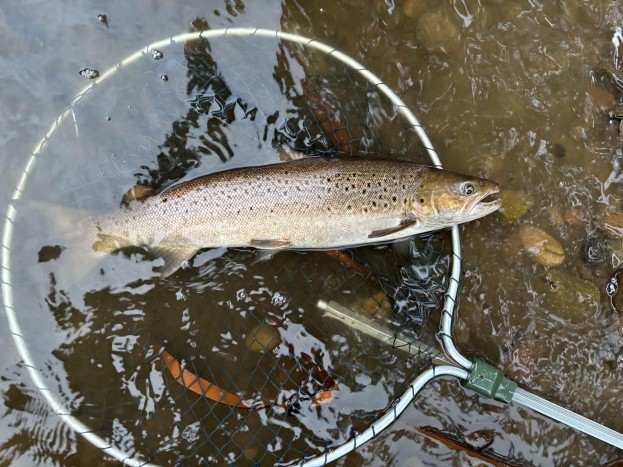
column 512, row 92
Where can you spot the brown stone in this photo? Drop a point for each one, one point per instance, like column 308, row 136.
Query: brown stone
column 541, row 246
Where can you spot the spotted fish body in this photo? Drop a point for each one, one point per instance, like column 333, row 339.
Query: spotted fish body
column 310, row 203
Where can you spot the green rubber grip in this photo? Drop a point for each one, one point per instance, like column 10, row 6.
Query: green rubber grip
column 489, row 381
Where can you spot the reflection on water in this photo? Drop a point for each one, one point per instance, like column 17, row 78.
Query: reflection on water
column 518, row 93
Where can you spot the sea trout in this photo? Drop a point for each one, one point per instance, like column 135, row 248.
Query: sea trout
column 309, row 203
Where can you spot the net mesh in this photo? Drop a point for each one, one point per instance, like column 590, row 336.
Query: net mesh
column 231, row 360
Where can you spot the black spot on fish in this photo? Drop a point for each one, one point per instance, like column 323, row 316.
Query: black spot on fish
column 349, row 207
column 364, row 191
column 394, row 199
column 374, row 203
column 164, row 200
column 365, row 209
column 369, row 185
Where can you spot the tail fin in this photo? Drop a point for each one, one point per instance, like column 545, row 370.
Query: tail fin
column 61, row 235
column 75, row 251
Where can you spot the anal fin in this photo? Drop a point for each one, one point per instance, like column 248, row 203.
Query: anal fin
column 269, row 243
column 391, row 230
column 174, row 257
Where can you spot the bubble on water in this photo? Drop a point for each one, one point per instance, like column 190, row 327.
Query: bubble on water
column 156, row 54
column 102, row 19
column 164, row 78
column 278, row 299
column 89, row 73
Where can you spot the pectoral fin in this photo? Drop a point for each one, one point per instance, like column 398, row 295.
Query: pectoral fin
column 174, row 257
column 391, row 230
column 269, row 243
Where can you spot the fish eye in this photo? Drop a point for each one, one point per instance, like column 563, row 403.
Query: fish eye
column 467, row 189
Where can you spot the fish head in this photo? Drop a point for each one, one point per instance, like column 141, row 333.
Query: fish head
column 443, row 198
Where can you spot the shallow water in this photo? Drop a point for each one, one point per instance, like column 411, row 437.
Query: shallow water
column 505, row 92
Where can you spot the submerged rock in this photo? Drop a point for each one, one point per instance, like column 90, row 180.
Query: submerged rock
column 515, row 204
column 610, row 222
column 569, row 296
column 376, row 304
column 594, row 251
column 436, row 30
column 262, row 338
column 541, row 246
column 524, row 364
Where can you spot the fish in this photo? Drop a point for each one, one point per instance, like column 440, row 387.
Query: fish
column 312, row 203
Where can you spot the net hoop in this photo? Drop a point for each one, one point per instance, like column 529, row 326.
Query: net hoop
column 7, row 237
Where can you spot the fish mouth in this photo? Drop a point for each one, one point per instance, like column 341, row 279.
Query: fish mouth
column 489, row 201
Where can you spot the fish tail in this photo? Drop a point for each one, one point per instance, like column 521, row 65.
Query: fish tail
column 66, row 236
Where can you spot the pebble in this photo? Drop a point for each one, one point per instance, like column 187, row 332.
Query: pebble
column 601, row 99
column 262, row 338
column 610, row 222
column 436, row 31
column 515, row 204
column 373, row 305
column 569, row 296
column 413, row 8
column 541, row 246
column 522, row 364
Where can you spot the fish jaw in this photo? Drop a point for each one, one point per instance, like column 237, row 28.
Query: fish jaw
column 485, row 204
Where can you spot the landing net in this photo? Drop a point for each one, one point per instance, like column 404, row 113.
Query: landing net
column 239, row 358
